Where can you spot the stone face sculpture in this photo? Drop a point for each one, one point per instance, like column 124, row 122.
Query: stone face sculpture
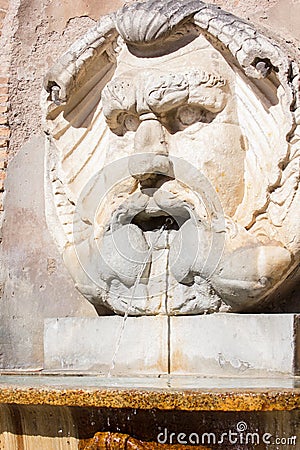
column 172, row 169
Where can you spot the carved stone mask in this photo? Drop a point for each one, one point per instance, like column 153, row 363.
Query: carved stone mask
column 172, row 187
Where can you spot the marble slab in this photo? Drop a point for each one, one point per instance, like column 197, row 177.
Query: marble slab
column 235, row 345
column 83, row 344
column 216, row 345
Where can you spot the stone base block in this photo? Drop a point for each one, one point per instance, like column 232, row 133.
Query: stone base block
column 246, row 345
column 235, row 345
column 89, row 344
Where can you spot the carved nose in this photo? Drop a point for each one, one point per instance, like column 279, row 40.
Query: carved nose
column 150, row 150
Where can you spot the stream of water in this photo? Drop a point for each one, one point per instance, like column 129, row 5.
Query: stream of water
column 137, row 281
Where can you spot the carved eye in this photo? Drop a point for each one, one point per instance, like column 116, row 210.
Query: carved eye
column 190, row 114
column 131, row 122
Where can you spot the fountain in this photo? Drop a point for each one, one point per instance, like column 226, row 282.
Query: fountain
column 171, row 193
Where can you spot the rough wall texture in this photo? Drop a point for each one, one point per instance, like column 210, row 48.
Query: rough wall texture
column 4, row 129
column 33, row 280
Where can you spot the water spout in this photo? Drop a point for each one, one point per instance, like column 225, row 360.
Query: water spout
column 164, row 227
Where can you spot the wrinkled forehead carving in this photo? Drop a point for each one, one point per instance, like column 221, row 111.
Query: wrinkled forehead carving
column 153, row 91
column 194, row 73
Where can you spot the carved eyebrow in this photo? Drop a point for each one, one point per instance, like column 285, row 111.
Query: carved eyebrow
column 120, row 93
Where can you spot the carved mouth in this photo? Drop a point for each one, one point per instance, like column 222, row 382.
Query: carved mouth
column 149, row 252
column 151, row 217
column 158, row 221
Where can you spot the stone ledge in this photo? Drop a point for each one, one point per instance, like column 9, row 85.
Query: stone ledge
column 4, row 131
column 100, row 392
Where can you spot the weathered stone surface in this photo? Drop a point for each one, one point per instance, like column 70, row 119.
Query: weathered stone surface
column 235, row 345
column 98, row 344
column 217, row 345
column 32, row 286
column 185, row 83
column 60, row 13
column 40, row 33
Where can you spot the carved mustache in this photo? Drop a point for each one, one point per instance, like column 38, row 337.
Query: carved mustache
column 124, row 248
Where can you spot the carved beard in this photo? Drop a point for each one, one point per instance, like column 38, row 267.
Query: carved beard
column 155, row 253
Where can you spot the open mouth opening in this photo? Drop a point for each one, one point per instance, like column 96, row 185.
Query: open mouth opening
column 158, row 221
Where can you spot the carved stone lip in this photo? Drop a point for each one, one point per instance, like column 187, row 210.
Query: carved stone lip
column 159, row 220
column 152, row 217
